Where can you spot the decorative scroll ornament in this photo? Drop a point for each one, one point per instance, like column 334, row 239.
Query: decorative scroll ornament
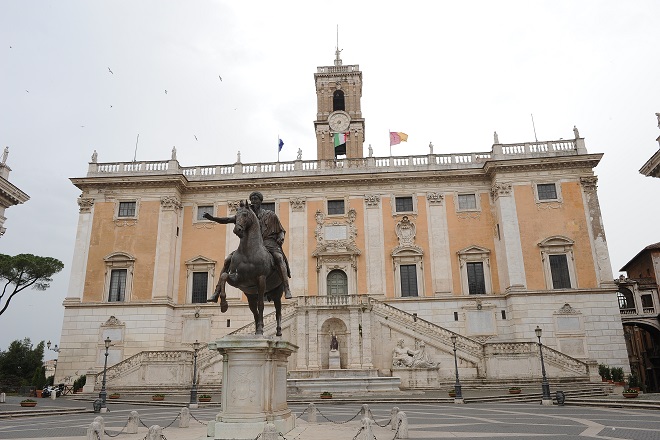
column 500, row 190
column 435, row 198
column 170, row 203
column 85, row 204
column 113, row 321
column 298, row 204
column 589, row 183
column 566, row 309
column 372, row 200
column 232, row 206
column 405, row 232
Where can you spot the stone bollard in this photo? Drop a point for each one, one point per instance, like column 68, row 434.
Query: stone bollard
column 395, row 411
column 364, row 412
column 402, row 425
column 184, row 419
column 95, row 431
column 367, row 429
column 133, row 423
column 53, row 394
column 100, row 421
column 3, row 397
column 269, row 432
column 155, row 433
column 311, row 413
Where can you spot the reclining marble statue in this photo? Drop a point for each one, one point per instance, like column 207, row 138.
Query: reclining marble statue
column 258, row 267
column 403, row 356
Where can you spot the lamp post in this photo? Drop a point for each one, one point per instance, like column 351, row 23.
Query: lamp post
column 103, row 394
column 193, row 390
column 457, row 386
column 545, row 386
column 56, row 349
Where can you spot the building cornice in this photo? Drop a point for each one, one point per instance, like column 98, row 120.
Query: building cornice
column 652, row 166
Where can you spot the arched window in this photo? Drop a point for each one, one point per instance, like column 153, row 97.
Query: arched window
column 337, row 283
column 626, row 300
column 338, row 102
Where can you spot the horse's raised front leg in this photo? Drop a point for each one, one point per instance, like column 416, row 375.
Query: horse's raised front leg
column 220, row 292
column 261, row 291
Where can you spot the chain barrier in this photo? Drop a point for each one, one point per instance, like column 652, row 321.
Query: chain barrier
column 177, row 416
column 396, row 433
column 98, row 437
column 358, row 433
column 197, row 420
column 142, row 423
column 162, row 436
column 115, row 435
column 279, row 434
column 257, row 437
column 339, row 423
column 376, row 422
column 301, row 414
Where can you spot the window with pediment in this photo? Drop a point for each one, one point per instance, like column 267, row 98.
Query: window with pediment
column 118, row 277
column 558, row 262
column 474, row 264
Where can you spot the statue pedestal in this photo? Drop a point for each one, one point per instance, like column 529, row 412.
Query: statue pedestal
column 333, row 360
column 254, row 380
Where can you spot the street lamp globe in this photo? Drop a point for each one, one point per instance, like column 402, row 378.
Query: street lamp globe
column 538, row 331
column 107, row 342
column 453, row 339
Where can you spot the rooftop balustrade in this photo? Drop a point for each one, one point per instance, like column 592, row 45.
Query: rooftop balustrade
column 238, row 170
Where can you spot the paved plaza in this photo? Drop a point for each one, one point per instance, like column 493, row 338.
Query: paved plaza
column 335, row 421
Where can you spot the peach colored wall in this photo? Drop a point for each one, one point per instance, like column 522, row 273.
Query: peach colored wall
column 471, row 231
column 422, row 240
column 138, row 240
column 312, row 275
column 209, row 243
column 538, row 224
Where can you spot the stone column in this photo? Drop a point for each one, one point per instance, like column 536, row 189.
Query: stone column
column 81, row 250
column 297, row 252
column 313, row 341
column 354, row 340
column 599, row 249
column 373, row 229
column 510, row 261
column 441, row 273
column 367, row 358
column 165, row 261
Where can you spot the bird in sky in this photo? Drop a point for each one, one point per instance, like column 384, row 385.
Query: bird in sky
column 195, row 137
column 111, row 71
column 166, row 91
column 220, row 77
column 27, row 90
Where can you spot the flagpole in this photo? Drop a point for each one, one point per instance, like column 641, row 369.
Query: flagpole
column 390, row 139
column 278, row 147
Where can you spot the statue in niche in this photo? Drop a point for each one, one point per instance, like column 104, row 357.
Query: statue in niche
column 334, row 343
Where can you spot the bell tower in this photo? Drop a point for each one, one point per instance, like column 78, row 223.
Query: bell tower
column 339, row 124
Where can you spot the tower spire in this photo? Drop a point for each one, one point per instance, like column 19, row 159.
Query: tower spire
column 337, row 50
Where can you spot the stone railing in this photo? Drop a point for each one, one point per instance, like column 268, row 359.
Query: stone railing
column 136, row 361
column 338, row 69
column 365, row 165
column 550, row 355
column 270, row 321
column 463, row 343
column 332, row 300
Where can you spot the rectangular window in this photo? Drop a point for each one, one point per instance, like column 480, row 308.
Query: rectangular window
column 335, row 207
column 547, row 191
column 199, row 287
column 268, row 206
column 403, row 204
column 647, row 301
column 126, row 209
column 117, row 285
column 201, row 210
column 408, row 279
column 467, row 201
column 476, row 280
column 559, row 270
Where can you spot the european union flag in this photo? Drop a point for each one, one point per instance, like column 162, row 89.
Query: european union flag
column 280, row 144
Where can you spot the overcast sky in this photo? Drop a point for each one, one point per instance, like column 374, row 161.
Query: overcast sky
column 82, row 75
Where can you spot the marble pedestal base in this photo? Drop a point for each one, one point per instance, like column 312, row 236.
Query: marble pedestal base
column 334, row 361
column 254, row 381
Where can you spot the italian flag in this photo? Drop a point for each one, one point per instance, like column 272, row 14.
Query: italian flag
column 339, row 141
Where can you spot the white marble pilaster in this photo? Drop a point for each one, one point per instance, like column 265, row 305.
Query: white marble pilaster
column 301, row 358
column 297, row 252
column 374, row 244
column 441, row 273
column 313, row 340
column 599, row 248
column 354, row 348
column 510, row 262
column 164, row 265
column 367, row 358
column 81, row 250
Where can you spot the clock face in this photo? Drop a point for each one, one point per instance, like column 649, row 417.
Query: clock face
column 339, row 122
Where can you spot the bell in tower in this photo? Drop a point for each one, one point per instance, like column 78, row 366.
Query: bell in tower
column 339, row 124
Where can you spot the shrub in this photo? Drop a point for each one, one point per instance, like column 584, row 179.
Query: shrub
column 204, row 396
column 603, row 370
column 633, row 380
column 80, row 382
column 617, row 374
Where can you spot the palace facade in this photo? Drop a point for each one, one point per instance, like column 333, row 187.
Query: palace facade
column 485, row 246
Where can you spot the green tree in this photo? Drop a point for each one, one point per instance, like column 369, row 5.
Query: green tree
column 19, row 362
column 39, row 377
column 25, row 270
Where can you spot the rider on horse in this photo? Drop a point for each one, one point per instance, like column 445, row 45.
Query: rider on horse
column 272, row 233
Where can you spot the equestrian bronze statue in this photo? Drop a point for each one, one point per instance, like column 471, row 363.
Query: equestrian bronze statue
column 258, row 267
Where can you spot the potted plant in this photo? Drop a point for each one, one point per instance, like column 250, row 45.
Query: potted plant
column 617, row 376
column 629, row 393
column 515, row 390
column 29, row 403
column 452, row 393
column 603, row 371
column 114, row 396
column 204, row 398
column 158, row 397
column 633, row 382
column 79, row 383
column 326, row 395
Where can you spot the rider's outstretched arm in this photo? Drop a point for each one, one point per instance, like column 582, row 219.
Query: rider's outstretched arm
column 221, row 220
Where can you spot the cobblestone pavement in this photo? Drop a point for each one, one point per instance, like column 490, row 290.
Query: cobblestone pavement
column 501, row 421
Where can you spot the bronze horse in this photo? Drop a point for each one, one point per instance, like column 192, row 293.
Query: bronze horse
column 253, row 271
